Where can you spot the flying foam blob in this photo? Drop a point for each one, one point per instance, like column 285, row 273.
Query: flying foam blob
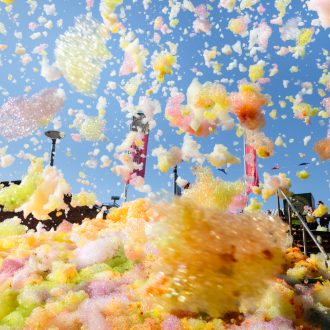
column 212, row 192
column 163, row 65
column 167, row 159
column 92, row 128
column 220, row 156
column 247, row 105
column 322, row 147
column 207, row 108
column 81, row 53
column 107, row 11
column 21, row 116
column 273, row 183
column 322, row 7
column 263, row 145
column 303, row 175
column 8, row 2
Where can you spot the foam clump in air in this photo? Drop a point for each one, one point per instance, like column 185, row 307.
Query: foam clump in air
column 110, row 19
column 167, row 159
column 322, row 148
column 207, row 108
column 304, row 111
column 202, row 266
column 239, row 25
column 213, row 192
column 256, row 71
column 81, row 53
column 228, row 4
column 48, row 71
column 21, row 116
column 273, row 183
column 220, row 156
column 247, row 105
column 263, row 145
column 92, row 128
column 202, row 24
column 260, row 36
column 303, row 175
column 162, row 64
column 135, row 56
column 8, row 2
column 322, row 7
column 281, row 6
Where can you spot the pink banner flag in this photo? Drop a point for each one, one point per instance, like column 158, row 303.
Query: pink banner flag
column 251, row 171
column 139, row 152
column 139, row 156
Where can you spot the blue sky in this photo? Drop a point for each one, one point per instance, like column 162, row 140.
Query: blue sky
column 190, row 54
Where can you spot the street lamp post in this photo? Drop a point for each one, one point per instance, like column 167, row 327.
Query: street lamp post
column 54, row 136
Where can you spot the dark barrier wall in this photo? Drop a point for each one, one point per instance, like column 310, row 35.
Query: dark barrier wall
column 72, row 215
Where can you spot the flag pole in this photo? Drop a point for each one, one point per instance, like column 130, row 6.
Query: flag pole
column 126, row 192
column 244, row 160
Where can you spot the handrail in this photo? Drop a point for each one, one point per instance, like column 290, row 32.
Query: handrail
column 303, row 222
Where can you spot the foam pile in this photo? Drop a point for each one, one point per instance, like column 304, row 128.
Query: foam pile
column 180, row 264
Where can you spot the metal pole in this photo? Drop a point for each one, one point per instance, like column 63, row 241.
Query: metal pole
column 319, row 246
column 175, row 171
column 126, row 192
column 304, row 241
column 52, row 154
column 278, row 203
column 290, row 220
column 244, row 160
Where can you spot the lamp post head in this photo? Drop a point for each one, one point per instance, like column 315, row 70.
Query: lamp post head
column 114, row 200
column 55, row 135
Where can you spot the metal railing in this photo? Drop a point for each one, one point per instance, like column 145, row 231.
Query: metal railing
column 305, row 227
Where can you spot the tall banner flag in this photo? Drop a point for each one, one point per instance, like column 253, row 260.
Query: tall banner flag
column 251, row 171
column 139, row 153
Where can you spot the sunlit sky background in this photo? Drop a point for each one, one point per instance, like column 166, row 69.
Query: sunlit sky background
column 190, row 55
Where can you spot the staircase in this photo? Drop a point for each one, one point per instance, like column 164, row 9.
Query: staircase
column 322, row 237
column 303, row 237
